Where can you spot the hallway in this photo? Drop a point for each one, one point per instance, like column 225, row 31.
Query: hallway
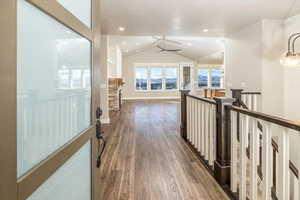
column 146, row 158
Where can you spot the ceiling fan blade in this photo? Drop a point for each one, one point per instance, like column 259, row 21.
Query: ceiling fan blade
column 173, row 42
column 176, row 50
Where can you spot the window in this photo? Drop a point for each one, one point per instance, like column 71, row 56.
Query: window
column 216, row 75
column 156, row 78
column 202, row 75
column 210, row 78
column 141, row 78
column 171, row 78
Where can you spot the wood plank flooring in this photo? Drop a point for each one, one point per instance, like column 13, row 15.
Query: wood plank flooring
column 146, row 159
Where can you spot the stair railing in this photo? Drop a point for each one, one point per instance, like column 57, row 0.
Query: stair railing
column 268, row 155
column 233, row 141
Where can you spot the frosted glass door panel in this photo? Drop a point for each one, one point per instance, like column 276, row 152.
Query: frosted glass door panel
column 79, row 8
column 53, row 85
column 71, row 181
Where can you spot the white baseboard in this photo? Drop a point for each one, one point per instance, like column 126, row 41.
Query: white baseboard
column 105, row 121
column 148, row 98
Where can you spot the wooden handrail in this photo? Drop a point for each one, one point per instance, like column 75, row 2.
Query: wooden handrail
column 254, row 93
column 202, row 99
column 276, row 120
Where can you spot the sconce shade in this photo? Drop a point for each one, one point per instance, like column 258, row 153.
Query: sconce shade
column 291, row 60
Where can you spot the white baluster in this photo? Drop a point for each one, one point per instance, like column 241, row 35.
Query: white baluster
column 266, row 160
column 255, row 106
column 200, row 121
column 188, row 117
column 206, row 130
column 283, row 166
column 190, row 112
column 196, row 124
column 234, row 152
column 193, row 121
column 211, row 139
column 202, row 129
column 295, row 188
column 214, row 133
column 199, row 126
column 249, row 102
column 253, row 159
column 243, row 156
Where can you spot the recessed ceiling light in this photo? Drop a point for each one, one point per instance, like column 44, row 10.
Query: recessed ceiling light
column 121, row 28
column 205, row 30
column 189, row 44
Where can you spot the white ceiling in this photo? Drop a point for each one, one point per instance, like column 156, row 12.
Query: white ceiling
column 189, row 17
column 194, row 48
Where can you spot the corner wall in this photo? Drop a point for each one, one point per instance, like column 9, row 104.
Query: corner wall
column 252, row 63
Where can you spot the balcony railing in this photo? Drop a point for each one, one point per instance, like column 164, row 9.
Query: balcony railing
column 248, row 152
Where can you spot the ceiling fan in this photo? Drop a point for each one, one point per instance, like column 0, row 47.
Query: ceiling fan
column 161, row 43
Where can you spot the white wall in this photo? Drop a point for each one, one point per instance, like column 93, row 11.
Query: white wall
column 292, row 74
column 243, row 59
column 104, row 79
column 272, row 70
column 252, row 63
column 148, row 57
column 114, row 60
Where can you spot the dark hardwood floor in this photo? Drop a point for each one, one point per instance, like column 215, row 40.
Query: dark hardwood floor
column 146, row 159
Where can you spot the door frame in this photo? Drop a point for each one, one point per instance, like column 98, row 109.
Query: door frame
column 11, row 187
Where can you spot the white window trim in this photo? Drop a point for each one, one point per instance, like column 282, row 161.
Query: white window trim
column 148, row 66
column 209, row 78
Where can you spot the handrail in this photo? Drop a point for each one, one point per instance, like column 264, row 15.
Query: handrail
column 254, row 93
column 202, row 99
column 276, row 120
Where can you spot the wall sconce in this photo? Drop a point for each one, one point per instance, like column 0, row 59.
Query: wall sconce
column 291, row 58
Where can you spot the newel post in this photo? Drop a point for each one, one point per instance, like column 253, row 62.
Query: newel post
column 183, row 126
column 223, row 161
column 237, row 94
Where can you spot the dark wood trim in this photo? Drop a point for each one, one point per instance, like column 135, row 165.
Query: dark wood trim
column 183, row 126
column 202, row 99
column 276, row 120
column 8, row 100
column 37, row 176
column 253, row 93
column 223, row 136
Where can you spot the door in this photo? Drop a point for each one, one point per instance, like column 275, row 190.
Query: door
column 49, row 83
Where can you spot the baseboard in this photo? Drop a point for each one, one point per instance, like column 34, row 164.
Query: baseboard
column 105, row 121
column 148, row 98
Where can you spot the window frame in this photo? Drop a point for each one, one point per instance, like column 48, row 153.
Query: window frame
column 163, row 66
column 209, row 80
column 147, row 71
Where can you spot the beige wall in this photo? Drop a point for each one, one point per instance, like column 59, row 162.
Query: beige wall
column 243, row 59
column 148, row 57
column 292, row 74
column 114, row 60
column 104, row 79
column 252, row 63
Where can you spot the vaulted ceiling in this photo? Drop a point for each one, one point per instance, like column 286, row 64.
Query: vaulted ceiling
column 210, row 49
column 189, row 17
